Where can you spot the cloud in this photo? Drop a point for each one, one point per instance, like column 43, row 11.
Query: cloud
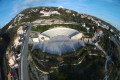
column 83, row 6
column 111, row 1
column 28, row 3
column 16, row 9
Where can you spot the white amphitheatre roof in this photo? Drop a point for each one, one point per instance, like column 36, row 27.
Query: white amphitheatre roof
column 59, row 45
column 60, row 31
column 59, row 41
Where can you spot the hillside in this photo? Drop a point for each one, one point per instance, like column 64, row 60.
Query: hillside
column 46, row 18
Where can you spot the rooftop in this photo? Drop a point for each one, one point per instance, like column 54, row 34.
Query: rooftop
column 61, row 40
column 59, row 45
column 60, row 31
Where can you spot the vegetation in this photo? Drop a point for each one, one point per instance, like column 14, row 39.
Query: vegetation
column 69, row 58
column 42, row 28
column 3, row 60
column 7, row 39
column 90, row 65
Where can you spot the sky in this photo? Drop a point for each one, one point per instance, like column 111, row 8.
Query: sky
column 107, row 10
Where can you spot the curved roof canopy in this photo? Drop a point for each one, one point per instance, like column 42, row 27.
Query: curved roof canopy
column 59, row 45
column 60, row 31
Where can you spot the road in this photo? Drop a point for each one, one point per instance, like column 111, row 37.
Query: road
column 112, row 38
column 24, row 56
column 108, row 59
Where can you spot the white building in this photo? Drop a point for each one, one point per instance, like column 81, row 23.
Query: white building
column 21, row 15
column 107, row 27
column 10, row 27
column 68, row 11
column 17, row 42
column 55, row 12
column 48, row 13
column 12, row 62
column 73, row 14
column 36, row 40
column 34, row 10
column 97, row 34
column 87, row 29
column 83, row 25
column 20, row 30
column 111, row 30
column 45, row 13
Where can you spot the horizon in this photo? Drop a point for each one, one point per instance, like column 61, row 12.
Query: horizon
column 107, row 10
